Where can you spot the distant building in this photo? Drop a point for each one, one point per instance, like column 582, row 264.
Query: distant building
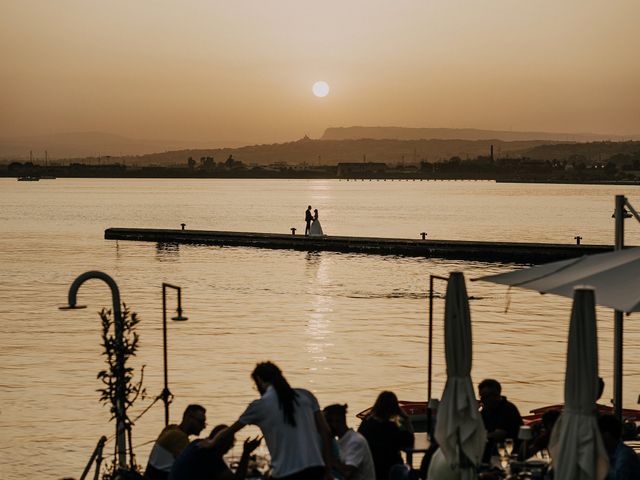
column 362, row 169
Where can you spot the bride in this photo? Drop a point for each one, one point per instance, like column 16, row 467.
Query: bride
column 316, row 228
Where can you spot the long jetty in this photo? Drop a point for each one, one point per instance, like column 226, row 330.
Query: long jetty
column 506, row 252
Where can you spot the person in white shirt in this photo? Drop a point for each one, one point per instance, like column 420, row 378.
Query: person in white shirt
column 356, row 462
column 293, row 426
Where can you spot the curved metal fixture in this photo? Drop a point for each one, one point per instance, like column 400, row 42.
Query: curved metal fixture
column 121, row 447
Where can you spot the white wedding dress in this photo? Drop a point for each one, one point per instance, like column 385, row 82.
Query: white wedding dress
column 316, row 229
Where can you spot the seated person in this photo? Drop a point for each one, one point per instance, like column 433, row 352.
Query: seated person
column 388, row 430
column 541, row 441
column 195, row 463
column 623, row 461
column 355, row 461
column 501, row 418
column 172, row 440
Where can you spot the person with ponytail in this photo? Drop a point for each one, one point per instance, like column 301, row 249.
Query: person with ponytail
column 388, row 430
column 294, row 428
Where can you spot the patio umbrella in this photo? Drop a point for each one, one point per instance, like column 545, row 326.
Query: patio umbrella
column 459, row 428
column 614, row 275
column 576, row 445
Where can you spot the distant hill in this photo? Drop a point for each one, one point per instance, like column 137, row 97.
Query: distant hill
column 402, row 133
column 589, row 152
column 331, row 152
column 92, row 144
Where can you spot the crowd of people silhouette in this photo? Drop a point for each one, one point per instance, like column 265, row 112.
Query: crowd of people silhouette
column 306, row 442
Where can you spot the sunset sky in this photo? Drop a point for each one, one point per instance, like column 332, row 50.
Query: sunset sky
column 244, row 70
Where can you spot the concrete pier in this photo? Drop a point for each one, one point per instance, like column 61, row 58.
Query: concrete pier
column 506, row 252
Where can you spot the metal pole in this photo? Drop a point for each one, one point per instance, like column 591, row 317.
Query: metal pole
column 617, row 315
column 430, row 366
column 179, row 309
column 121, row 447
column 165, row 391
column 430, row 336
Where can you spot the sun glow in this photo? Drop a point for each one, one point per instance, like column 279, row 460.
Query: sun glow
column 320, row 89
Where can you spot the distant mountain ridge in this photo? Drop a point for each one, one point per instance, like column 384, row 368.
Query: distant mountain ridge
column 405, row 133
column 331, row 152
column 94, row 144
column 88, row 146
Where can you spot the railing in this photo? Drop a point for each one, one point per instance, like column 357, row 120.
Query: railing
column 97, row 457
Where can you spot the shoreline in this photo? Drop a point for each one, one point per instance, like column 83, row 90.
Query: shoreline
column 248, row 176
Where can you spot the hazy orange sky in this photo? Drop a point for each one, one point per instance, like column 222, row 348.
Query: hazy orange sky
column 243, row 70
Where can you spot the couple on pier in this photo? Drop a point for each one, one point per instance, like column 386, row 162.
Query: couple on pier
column 313, row 226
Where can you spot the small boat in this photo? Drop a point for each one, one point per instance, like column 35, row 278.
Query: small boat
column 535, row 416
column 29, row 178
column 417, row 413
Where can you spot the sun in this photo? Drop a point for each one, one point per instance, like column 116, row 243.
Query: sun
column 320, row 89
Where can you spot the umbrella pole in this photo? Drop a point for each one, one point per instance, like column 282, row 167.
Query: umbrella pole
column 430, row 370
column 429, row 419
column 617, row 316
column 430, row 335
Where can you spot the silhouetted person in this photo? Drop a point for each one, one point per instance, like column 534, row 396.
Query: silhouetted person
column 172, row 441
column 541, row 441
column 355, row 462
column 195, row 463
column 308, row 217
column 388, row 430
column 316, row 228
column 501, row 417
column 623, row 461
column 293, row 426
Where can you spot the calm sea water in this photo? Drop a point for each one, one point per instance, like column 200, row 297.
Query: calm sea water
column 343, row 325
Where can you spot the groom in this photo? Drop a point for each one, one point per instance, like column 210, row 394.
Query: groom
column 307, row 218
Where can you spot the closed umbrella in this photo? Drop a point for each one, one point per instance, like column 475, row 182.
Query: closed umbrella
column 459, row 430
column 575, row 445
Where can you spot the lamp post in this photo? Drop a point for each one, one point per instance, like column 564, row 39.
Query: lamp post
column 121, row 446
column 166, row 394
column 620, row 213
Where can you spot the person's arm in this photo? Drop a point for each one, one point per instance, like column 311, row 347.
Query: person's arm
column 250, row 444
column 325, row 435
column 399, row 437
column 222, row 436
column 352, row 456
column 405, row 422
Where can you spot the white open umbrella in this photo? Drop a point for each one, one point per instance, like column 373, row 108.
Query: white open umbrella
column 614, row 275
column 575, row 445
column 459, row 430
